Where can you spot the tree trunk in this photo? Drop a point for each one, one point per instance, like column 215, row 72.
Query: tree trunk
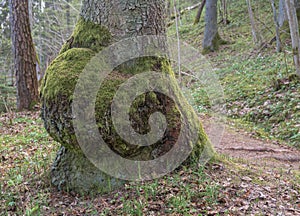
column 225, row 12
column 278, row 40
column 24, row 55
column 68, row 18
column 199, row 12
column 256, row 37
column 101, row 24
column 282, row 17
column 212, row 38
column 294, row 29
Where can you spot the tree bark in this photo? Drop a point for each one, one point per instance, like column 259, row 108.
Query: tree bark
column 212, row 38
column 25, row 59
column 199, row 12
column 114, row 20
column 294, row 29
column 282, row 16
column 126, row 18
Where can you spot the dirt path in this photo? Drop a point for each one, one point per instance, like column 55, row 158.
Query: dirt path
column 241, row 145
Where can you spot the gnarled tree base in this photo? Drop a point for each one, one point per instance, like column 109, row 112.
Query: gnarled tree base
column 72, row 171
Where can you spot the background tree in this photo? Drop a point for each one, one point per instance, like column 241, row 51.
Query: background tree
column 25, row 59
column 282, row 16
column 212, row 39
column 294, row 29
column 255, row 35
column 52, row 23
column 102, row 23
column 224, row 12
column 199, row 12
column 277, row 27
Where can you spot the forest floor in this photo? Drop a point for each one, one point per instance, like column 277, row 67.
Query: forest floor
column 257, row 173
column 251, row 177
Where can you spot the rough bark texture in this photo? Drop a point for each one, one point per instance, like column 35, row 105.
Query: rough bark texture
column 72, row 171
column 211, row 36
column 101, row 24
column 126, row 18
column 24, row 55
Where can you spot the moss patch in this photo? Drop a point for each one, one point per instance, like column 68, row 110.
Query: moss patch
column 62, row 74
column 88, row 35
column 60, row 81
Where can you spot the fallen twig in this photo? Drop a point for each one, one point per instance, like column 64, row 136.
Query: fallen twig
column 183, row 11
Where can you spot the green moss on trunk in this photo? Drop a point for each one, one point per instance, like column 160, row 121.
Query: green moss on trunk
column 88, row 35
column 57, row 96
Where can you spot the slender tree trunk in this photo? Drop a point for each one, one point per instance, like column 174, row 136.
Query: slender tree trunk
column 278, row 40
column 294, row 29
column 199, row 12
column 282, row 16
column 24, row 55
column 212, row 38
column 225, row 13
column 256, row 38
column 68, row 17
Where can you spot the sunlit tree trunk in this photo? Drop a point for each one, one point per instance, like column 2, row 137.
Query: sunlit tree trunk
column 25, row 58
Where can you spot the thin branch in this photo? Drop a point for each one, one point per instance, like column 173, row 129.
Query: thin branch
column 198, row 16
column 178, row 41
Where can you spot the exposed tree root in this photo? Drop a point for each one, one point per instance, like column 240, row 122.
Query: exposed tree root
column 263, row 149
column 292, row 159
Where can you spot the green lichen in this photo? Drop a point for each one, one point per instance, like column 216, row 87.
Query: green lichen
column 88, row 35
column 62, row 74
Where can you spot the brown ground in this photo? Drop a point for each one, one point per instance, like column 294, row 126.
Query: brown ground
column 242, row 145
